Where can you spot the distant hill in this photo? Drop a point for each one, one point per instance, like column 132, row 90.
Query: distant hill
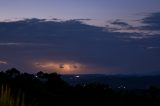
column 115, row 81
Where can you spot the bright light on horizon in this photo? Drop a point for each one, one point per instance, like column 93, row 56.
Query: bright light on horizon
column 60, row 67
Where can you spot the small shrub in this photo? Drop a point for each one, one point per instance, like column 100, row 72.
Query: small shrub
column 7, row 99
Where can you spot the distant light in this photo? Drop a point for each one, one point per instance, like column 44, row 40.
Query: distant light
column 122, row 87
column 77, row 76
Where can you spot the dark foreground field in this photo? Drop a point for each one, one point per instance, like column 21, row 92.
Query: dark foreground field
column 44, row 89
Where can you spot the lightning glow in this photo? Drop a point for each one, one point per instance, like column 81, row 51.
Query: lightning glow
column 60, row 67
column 3, row 62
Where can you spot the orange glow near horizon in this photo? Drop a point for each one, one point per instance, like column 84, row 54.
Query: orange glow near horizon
column 72, row 67
column 3, row 62
column 60, row 67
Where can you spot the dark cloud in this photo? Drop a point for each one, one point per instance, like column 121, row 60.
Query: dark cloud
column 55, row 19
column 150, row 25
column 50, row 43
column 152, row 21
column 120, row 23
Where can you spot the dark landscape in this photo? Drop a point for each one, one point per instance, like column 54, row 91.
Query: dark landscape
column 42, row 89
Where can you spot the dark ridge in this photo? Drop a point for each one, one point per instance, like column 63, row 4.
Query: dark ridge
column 45, row 89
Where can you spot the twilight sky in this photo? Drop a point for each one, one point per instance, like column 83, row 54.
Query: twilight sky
column 100, row 11
column 80, row 36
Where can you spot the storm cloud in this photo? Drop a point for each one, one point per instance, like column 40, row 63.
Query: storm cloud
column 33, row 45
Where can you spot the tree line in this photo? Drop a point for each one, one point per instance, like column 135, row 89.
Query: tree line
column 49, row 89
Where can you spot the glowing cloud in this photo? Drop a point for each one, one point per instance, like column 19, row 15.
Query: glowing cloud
column 3, row 62
column 60, row 67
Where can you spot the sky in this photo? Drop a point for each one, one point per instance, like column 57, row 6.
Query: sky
column 99, row 10
column 80, row 36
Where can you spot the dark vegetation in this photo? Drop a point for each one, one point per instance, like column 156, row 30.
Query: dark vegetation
column 45, row 89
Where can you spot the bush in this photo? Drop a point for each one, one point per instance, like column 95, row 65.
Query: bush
column 7, row 99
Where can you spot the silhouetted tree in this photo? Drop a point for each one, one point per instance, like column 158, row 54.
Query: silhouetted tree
column 13, row 72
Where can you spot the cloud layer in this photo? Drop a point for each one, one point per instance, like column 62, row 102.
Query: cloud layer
column 37, row 44
column 149, row 25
